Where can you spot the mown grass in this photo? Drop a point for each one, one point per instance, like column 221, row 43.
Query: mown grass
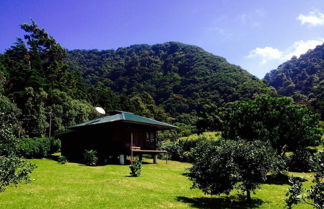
column 160, row 186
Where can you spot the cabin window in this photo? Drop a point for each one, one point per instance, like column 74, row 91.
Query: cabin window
column 150, row 135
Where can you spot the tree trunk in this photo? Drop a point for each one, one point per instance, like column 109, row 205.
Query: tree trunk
column 248, row 196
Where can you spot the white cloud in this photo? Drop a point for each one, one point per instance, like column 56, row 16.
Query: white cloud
column 314, row 18
column 301, row 47
column 269, row 54
column 266, row 54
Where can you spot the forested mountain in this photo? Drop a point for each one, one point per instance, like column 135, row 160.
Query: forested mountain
column 172, row 82
column 302, row 79
column 182, row 79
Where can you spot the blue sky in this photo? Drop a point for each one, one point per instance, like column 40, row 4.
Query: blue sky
column 258, row 35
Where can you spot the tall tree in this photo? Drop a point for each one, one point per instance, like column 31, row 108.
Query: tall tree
column 36, row 68
column 284, row 124
column 13, row 169
column 38, row 61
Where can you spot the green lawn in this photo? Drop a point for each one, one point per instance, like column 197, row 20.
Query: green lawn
column 161, row 186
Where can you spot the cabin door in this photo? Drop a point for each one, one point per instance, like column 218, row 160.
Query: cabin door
column 139, row 138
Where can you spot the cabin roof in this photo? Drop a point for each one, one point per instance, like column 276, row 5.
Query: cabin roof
column 126, row 117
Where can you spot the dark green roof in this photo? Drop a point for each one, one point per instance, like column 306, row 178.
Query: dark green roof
column 127, row 117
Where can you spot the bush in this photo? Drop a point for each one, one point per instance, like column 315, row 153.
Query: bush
column 180, row 149
column 313, row 196
column 300, row 161
column 14, row 170
column 219, row 167
column 90, row 157
column 136, row 168
column 279, row 121
column 62, row 159
column 38, row 147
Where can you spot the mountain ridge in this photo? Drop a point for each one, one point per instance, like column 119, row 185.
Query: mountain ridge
column 301, row 78
column 180, row 78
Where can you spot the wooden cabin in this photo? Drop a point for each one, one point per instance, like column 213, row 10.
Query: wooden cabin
column 113, row 136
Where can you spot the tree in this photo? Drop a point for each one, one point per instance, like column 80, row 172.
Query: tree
column 2, row 80
column 209, row 119
column 36, row 68
column 219, row 167
column 35, row 121
column 66, row 111
column 12, row 168
column 315, row 195
column 46, row 56
column 286, row 126
column 38, row 61
column 9, row 112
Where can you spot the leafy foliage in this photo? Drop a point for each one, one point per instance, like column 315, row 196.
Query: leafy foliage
column 209, row 119
column 219, row 167
column 38, row 147
column 135, row 168
column 171, row 82
column 302, row 79
column 62, row 159
column 179, row 78
column 301, row 161
column 41, row 84
column 38, row 62
column 280, row 122
column 14, row 170
column 90, row 157
column 315, row 195
column 9, row 115
column 66, row 111
column 181, row 149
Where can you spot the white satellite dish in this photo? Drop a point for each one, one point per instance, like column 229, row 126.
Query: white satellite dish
column 100, row 110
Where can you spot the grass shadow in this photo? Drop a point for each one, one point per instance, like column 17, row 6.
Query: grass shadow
column 281, row 179
column 228, row 202
column 53, row 157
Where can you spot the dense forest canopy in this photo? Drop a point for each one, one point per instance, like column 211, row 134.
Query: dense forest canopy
column 36, row 78
column 302, row 79
column 182, row 79
column 172, row 82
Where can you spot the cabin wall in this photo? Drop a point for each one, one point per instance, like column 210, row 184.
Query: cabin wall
column 108, row 140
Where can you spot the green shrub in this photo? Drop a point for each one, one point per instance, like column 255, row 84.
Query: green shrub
column 136, row 168
column 180, row 149
column 62, row 159
column 90, row 157
column 314, row 195
column 300, row 161
column 219, row 167
column 38, row 147
column 14, row 170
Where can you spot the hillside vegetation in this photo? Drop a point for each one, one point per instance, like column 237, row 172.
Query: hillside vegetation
column 179, row 78
column 171, row 82
column 302, row 79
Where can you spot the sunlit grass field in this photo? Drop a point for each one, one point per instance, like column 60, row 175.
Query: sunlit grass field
column 160, row 186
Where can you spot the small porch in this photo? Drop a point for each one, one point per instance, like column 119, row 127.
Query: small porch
column 154, row 153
